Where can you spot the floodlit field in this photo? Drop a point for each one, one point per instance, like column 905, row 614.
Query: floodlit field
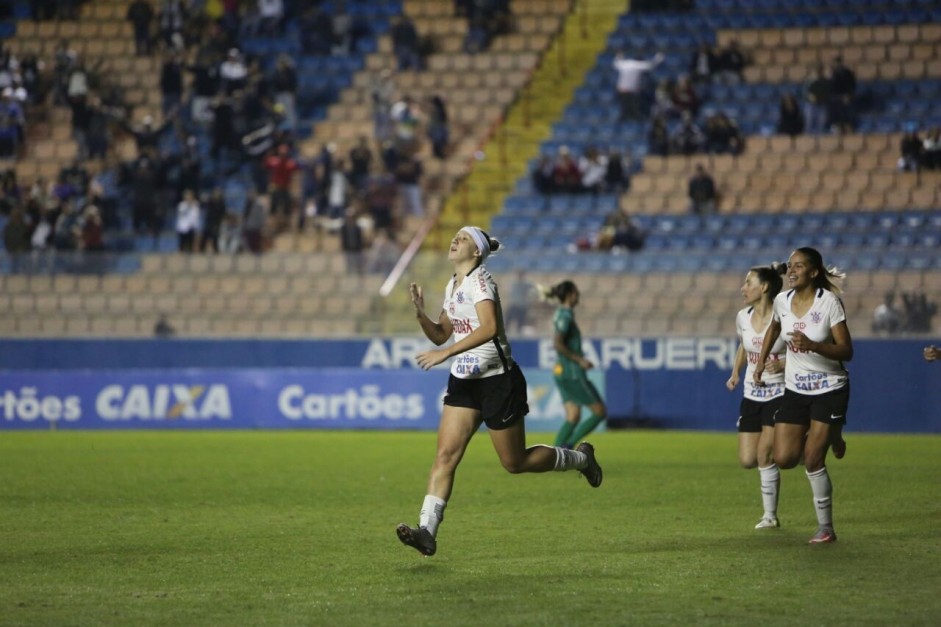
column 250, row 528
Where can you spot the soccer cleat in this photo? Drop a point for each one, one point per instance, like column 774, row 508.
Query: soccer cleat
column 419, row 539
column 768, row 523
column 824, row 535
column 839, row 448
column 592, row 471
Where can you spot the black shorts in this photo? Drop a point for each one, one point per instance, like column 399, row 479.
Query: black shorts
column 753, row 415
column 501, row 399
column 800, row 409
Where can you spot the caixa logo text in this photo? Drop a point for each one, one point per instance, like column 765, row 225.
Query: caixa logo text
column 164, row 402
column 28, row 406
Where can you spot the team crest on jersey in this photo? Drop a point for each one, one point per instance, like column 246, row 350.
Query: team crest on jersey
column 816, row 317
column 460, row 297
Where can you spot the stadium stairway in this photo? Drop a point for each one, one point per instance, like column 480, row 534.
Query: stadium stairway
column 516, row 139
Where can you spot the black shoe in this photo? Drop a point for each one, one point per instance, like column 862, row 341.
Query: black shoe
column 419, row 539
column 592, row 471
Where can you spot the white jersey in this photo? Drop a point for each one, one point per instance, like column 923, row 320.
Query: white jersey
column 488, row 359
column 807, row 372
column 751, row 343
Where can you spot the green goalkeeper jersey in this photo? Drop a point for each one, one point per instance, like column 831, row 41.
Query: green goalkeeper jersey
column 564, row 323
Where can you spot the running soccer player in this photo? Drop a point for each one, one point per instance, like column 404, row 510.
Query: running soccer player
column 756, row 412
column 811, row 318
column 485, row 387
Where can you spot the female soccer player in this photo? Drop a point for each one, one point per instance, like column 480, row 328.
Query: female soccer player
column 756, row 413
column 570, row 369
column 485, row 386
column 811, row 318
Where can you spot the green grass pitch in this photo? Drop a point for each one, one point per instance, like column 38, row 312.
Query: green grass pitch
column 297, row 528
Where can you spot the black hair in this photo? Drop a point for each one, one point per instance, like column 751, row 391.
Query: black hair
column 826, row 277
column 772, row 276
column 560, row 291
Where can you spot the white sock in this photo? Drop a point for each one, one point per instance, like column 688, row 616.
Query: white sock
column 823, row 494
column 432, row 513
column 770, row 484
column 568, row 459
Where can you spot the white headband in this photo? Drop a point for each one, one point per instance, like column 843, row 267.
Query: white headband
column 480, row 239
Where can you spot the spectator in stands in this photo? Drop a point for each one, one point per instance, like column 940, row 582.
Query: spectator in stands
column 663, row 105
column 214, row 213
column 225, row 139
column 360, row 164
column 64, row 59
column 284, row 86
column 75, row 178
column 406, row 118
column 32, row 72
column 338, row 191
column 703, row 64
column 406, row 43
column 931, row 155
column 790, row 118
column 146, row 180
column 171, row 82
column 541, row 175
column 281, row 167
column 233, row 72
column 722, row 135
column 630, row 85
column 438, row 127
column 619, row 232
column 593, row 166
column 912, row 150
column 688, row 138
column 140, row 14
column 352, row 243
column 205, row 85
column 684, row 97
column 188, row 165
column 188, row 222
column 16, row 238
column 731, row 63
column 842, row 97
column 383, row 254
column 658, row 138
column 408, row 174
column 254, row 216
column 270, row 18
column 98, row 127
column 67, row 230
column 617, row 178
column 380, row 199
column 918, row 312
column 817, row 101
column 886, row 318
column 702, row 192
column 566, row 177
column 91, row 238
column 146, row 134
column 172, row 17
column 382, row 90
column 163, row 328
column 230, row 233
column 12, row 124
